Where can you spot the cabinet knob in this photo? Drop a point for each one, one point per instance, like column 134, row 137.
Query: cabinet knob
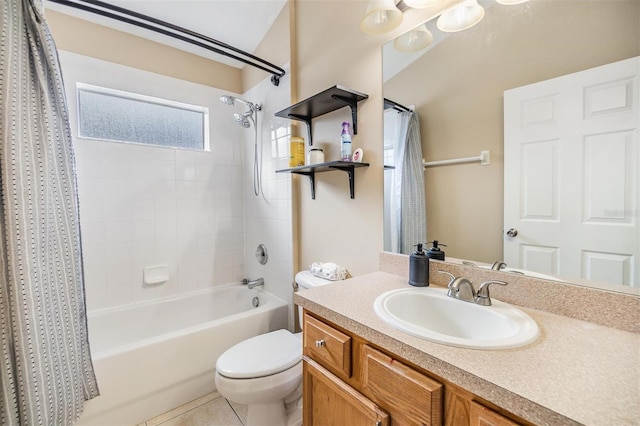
column 320, row 343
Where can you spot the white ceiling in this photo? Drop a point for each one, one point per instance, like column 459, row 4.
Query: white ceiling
column 239, row 23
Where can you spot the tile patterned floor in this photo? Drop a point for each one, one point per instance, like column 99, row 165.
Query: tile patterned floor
column 209, row 410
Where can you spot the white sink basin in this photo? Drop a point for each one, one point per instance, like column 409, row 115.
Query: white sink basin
column 430, row 314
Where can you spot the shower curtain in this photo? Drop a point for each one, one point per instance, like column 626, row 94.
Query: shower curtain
column 409, row 183
column 45, row 364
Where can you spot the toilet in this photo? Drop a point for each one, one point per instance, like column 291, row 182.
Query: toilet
column 265, row 371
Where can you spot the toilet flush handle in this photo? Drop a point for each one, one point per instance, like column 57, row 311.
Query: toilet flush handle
column 320, row 343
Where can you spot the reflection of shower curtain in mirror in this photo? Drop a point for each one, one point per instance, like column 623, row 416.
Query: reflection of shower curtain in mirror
column 46, row 372
column 408, row 184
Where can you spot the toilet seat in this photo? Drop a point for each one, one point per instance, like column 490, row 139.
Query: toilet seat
column 261, row 356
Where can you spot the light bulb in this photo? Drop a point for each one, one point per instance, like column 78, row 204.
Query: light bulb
column 381, row 17
column 460, row 17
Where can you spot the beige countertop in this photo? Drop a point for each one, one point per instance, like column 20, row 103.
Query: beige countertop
column 576, row 372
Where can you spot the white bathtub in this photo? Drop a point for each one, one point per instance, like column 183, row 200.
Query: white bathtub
column 152, row 357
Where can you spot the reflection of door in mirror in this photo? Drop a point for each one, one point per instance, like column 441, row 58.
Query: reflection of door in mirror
column 570, row 169
column 457, row 88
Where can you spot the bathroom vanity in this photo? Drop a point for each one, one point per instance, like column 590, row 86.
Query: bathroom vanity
column 359, row 370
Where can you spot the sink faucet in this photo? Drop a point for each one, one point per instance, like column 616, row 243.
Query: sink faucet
column 498, row 265
column 252, row 283
column 462, row 289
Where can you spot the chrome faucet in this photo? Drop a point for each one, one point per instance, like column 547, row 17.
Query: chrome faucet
column 498, row 265
column 462, row 289
column 253, row 283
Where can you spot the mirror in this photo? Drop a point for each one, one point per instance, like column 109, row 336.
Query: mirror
column 456, row 86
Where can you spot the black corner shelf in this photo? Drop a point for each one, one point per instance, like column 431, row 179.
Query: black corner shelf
column 311, row 170
column 327, row 101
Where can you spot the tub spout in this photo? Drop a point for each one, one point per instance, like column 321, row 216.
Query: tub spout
column 252, row 283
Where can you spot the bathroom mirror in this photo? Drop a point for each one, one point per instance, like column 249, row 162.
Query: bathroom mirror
column 456, row 85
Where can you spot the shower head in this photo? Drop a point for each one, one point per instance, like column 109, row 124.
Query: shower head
column 242, row 119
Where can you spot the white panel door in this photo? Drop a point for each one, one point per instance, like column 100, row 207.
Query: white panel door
column 571, row 175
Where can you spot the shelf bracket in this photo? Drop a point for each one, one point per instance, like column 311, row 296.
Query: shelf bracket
column 349, row 170
column 312, row 182
column 307, row 119
column 353, row 105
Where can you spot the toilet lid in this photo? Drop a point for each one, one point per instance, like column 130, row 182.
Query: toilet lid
column 261, row 355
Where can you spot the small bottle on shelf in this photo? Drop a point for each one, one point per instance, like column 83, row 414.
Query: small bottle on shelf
column 345, row 149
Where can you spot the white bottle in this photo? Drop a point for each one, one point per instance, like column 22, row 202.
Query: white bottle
column 345, row 150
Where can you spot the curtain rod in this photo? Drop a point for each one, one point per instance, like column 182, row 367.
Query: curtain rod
column 484, row 159
column 388, row 103
column 172, row 30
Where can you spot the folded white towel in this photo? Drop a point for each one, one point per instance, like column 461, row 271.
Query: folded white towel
column 328, row 271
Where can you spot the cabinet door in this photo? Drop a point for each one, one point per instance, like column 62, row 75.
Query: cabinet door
column 329, row 401
column 483, row 416
column 410, row 397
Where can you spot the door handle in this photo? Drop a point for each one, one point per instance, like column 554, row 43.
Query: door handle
column 512, row 232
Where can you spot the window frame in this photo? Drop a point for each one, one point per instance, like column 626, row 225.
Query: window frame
column 206, row 143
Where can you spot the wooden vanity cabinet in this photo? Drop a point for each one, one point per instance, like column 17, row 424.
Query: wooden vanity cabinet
column 348, row 381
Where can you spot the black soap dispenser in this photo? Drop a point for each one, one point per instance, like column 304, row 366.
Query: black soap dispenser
column 419, row 268
column 435, row 252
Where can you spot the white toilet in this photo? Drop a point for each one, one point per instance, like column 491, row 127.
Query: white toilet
column 265, row 372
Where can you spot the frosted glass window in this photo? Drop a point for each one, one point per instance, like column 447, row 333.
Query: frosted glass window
column 114, row 115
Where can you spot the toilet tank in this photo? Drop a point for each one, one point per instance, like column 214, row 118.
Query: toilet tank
column 306, row 280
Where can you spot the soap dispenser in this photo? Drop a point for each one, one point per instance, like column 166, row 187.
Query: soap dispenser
column 419, row 268
column 435, row 252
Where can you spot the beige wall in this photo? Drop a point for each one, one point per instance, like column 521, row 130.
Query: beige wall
column 332, row 50
column 457, row 89
column 274, row 48
column 97, row 41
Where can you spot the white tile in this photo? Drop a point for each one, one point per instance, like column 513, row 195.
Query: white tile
column 119, row 274
column 164, row 170
column 185, row 171
column 186, row 155
column 206, row 244
column 95, row 277
column 118, row 232
column 92, row 232
column 166, row 248
column 187, row 282
column 165, row 190
column 92, row 211
column 119, row 295
column 185, row 190
column 186, row 209
column 93, row 255
column 90, row 188
column 96, row 298
column 186, row 228
column 143, row 253
column 118, row 210
column 165, row 210
column 166, row 229
column 116, row 254
column 143, row 210
column 144, row 230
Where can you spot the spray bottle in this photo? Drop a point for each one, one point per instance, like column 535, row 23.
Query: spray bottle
column 345, row 149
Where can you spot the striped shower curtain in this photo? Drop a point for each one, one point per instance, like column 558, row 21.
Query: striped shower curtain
column 409, row 189
column 45, row 364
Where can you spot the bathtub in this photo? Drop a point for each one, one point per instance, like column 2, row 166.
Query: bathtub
column 154, row 356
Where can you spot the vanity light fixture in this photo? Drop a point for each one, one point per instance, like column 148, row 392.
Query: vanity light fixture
column 460, row 17
column 381, row 17
column 414, row 40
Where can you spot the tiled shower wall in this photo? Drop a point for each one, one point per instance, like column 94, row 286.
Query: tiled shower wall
column 268, row 218
column 144, row 206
